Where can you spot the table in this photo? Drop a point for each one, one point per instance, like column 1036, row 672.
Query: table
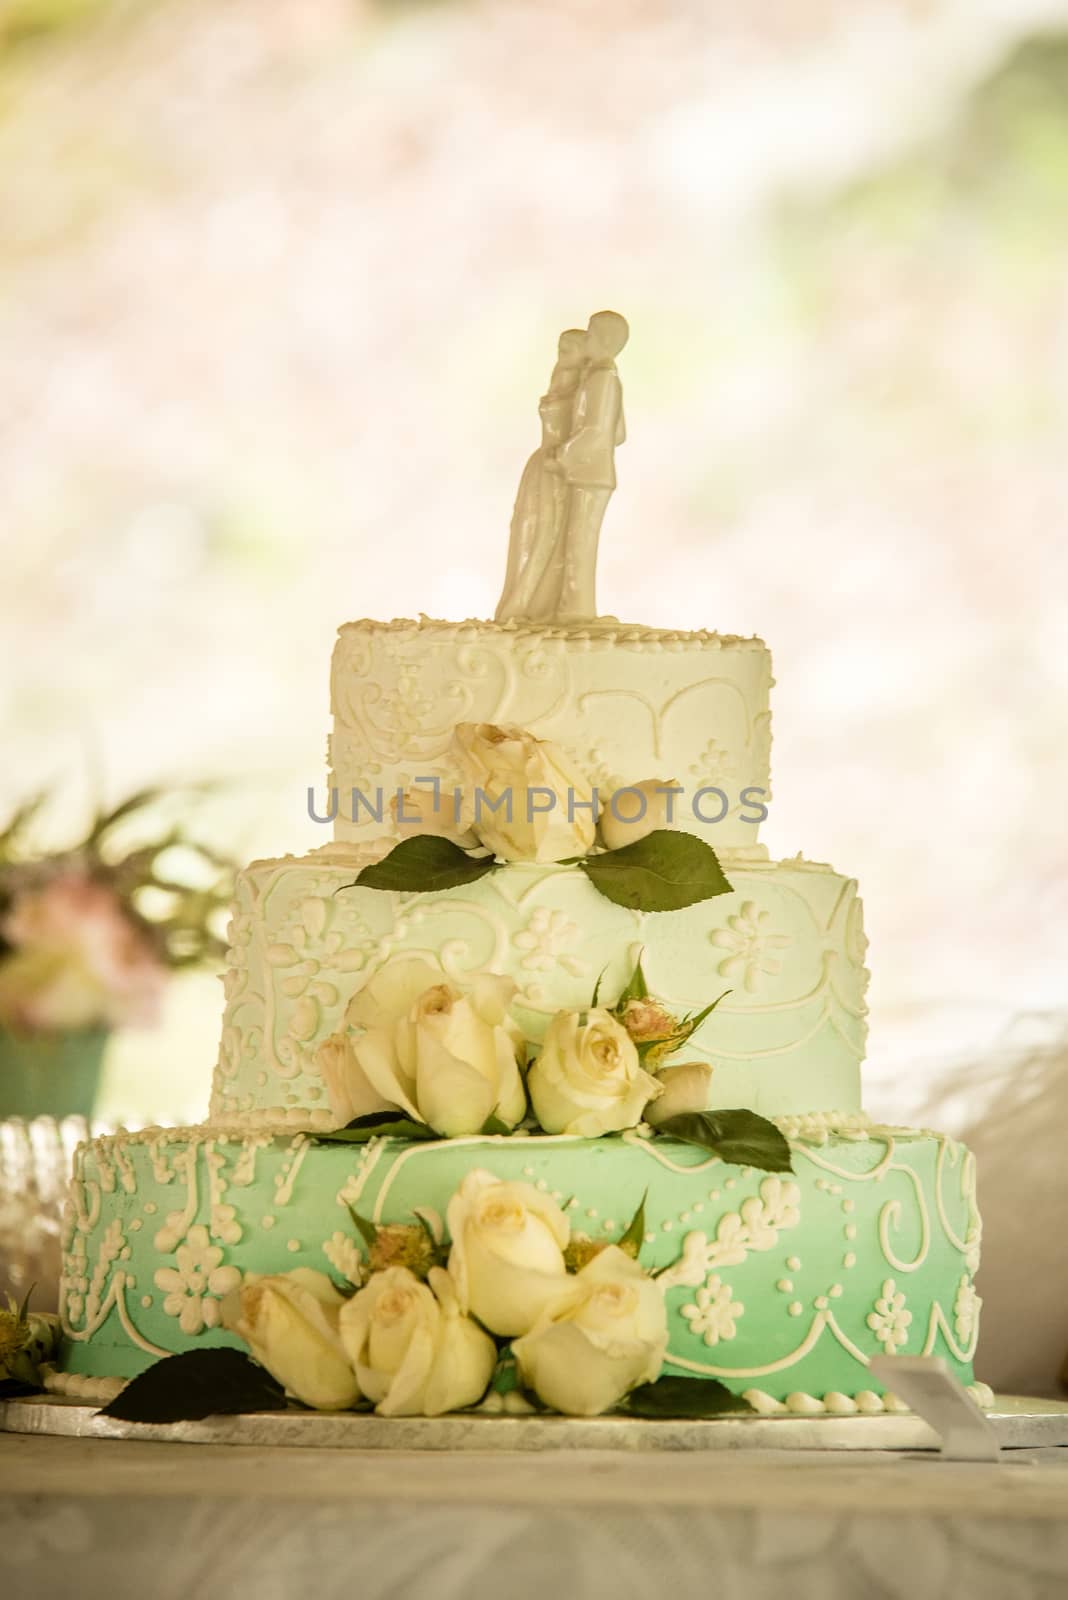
column 94, row 1518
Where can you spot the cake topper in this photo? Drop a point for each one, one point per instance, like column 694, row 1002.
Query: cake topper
column 568, row 481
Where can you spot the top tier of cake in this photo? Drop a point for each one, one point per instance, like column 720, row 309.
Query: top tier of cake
column 626, row 703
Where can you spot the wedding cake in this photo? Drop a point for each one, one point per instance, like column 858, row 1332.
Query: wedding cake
column 541, row 1057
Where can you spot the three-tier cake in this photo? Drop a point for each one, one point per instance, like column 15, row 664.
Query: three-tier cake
column 781, row 1278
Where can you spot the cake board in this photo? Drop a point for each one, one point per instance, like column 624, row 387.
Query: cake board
column 1019, row 1423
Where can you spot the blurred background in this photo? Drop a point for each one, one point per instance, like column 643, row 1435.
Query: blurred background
column 280, row 286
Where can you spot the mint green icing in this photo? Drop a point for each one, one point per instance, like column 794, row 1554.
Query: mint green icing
column 786, row 1284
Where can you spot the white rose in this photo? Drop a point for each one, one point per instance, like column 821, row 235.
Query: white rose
column 391, row 992
column 348, row 1089
column 588, row 1079
column 433, row 810
column 445, row 1056
column 684, row 1088
column 414, row 1351
column 605, row 1334
column 502, row 766
column 507, row 1256
column 637, row 810
column 290, row 1323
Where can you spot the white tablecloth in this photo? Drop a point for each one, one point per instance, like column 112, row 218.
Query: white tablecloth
column 96, row 1518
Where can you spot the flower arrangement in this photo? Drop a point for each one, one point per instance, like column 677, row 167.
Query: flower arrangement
column 28, row 1339
column 508, row 1313
column 424, row 1057
column 87, row 934
column 500, row 1306
column 522, row 800
column 427, row 1337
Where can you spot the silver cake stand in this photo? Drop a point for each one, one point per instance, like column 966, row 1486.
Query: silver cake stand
column 1018, row 1422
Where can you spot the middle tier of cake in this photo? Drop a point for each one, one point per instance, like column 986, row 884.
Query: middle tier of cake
column 787, row 943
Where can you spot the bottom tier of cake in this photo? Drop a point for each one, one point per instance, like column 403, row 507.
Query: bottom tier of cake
column 782, row 1285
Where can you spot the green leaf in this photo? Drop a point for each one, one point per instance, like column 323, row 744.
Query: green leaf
column 662, row 872
column 684, row 1397
column 739, row 1137
column 494, row 1125
column 366, row 1230
column 195, row 1384
column 637, row 988
column 632, row 1241
column 505, row 1374
column 15, row 1389
column 691, row 1023
column 423, row 864
column 654, row 1052
column 105, row 821
column 597, row 988
column 378, row 1125
column 435, row 1242
column 20, row 819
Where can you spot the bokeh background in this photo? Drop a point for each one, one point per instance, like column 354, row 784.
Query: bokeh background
column 280, row 282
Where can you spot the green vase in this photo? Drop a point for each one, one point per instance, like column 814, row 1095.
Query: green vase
column 50, row 1075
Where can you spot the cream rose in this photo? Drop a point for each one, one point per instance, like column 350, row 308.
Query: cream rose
column 606, row 1333
column 290, row 1323
column 414, row 1352
column 684, row 1088
column 527, row 801
column 348, row 1089
column 638, row 809
column 507, row 1256
column 588, row 1079
column 443, row 1055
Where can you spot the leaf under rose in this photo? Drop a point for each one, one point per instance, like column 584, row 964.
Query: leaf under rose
column 665, row 871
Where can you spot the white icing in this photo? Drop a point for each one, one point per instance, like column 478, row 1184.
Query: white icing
column 890, row 1216
column 954, row 1153
column 690, row 1268
column 803, row 1405
column 790, row 1359
column 79, row 1386
column 344, row 1256
column 890, row 1318
column 819, row 1127
column 133, row 1333
column 865, row 1402
column 937, row 1324
column 714, row 1312
column 823, row 1321
column 802, row 1033
column 755, row 1226
column 626, row 703
column 194, row 1287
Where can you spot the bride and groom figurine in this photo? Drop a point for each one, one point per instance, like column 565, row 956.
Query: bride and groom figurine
column 568, row 481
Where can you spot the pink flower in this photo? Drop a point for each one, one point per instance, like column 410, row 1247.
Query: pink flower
column 78, row 961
